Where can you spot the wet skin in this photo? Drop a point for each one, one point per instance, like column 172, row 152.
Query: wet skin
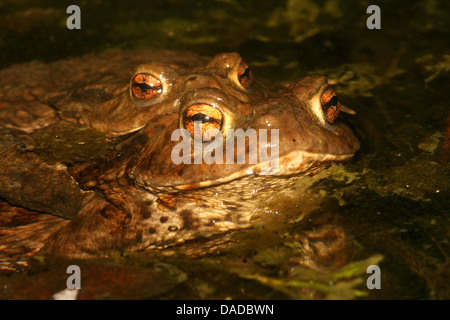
column 138, row 198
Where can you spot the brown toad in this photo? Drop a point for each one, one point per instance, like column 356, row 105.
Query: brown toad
column 137, row 196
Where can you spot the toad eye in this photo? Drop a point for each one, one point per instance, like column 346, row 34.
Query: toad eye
column 199, row 118
column 145, row 86
column 244, row 74
column 330, row 105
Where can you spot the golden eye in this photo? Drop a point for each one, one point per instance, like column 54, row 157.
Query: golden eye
column 199, row 118
column 330, row 105
column 244, row 74
column 144, row 86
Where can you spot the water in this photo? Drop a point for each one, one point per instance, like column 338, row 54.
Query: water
column 394, row 199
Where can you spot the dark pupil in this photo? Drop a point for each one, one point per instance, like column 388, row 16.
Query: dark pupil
column 146, row 87
column 201, row 117
column 245, row 74
column 334, row 101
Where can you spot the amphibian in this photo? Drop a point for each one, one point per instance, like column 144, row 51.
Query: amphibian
column 135, row 196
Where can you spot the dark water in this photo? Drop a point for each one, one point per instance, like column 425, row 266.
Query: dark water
column 392, row 200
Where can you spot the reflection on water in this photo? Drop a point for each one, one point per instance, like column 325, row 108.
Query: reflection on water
column 389, row 206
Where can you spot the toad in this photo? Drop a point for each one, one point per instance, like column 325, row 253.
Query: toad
column 128, row 192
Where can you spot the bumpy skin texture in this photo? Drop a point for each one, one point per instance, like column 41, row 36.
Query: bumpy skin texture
column 138, row 198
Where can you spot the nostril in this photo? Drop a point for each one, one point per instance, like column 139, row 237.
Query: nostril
column 193, row 78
